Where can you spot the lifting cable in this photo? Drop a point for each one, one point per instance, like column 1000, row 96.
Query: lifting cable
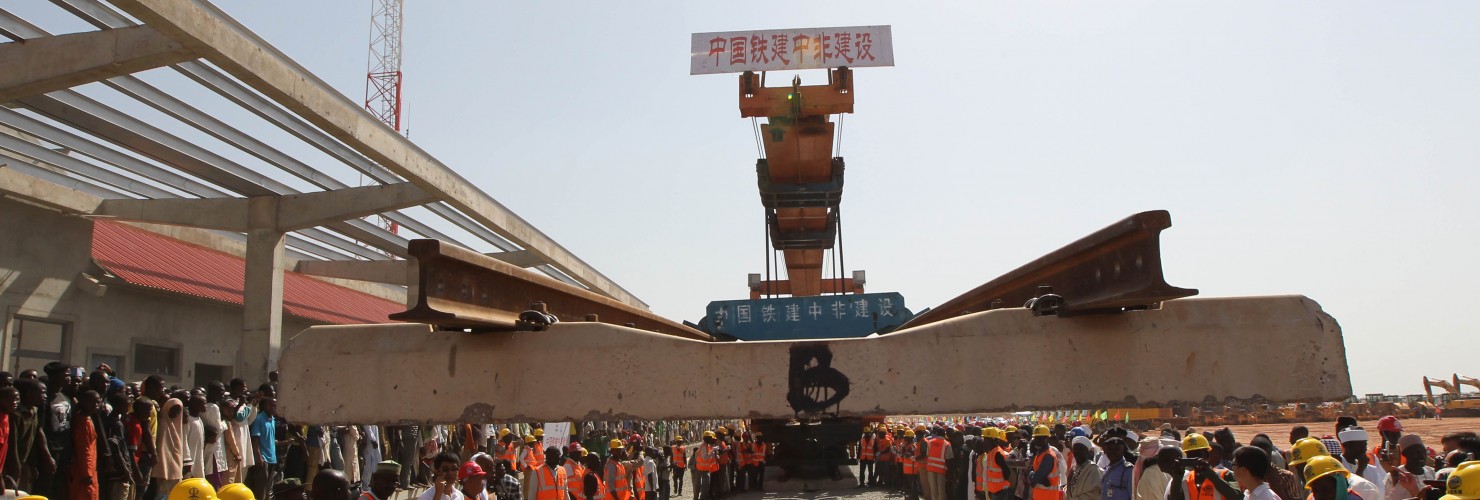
column 755, row 129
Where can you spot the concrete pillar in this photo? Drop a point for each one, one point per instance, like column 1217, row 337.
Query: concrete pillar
column 262, row 300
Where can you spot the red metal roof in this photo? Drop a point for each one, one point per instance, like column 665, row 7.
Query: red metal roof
column 156, row 261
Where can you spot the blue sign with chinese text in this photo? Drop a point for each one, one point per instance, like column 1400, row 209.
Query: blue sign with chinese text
column 792, row 318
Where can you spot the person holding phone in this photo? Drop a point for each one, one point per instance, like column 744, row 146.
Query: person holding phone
column 445, row 485
column 1200, row 480
column 1406, row 480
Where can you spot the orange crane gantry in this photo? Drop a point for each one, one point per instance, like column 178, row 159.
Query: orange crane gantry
column 800, row 181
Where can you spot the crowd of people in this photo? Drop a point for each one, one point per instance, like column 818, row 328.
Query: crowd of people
column 66, row 433
column 1074, row 462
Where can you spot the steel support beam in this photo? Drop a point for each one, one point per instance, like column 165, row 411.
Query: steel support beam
column 335, row 375
column 231, row 46
column 40, row 65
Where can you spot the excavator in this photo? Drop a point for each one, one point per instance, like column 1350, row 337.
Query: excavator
column 491, row 342
column 1454, row 401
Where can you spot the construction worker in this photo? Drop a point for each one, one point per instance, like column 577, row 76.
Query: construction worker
column 706, row 464
column 884, row 456
column 741, row 480
column 757, row 462
column 680, row 464
column 528, row 458
column 1328, row 479
column 937, row 453
column 1206, row 481
column 994, row 468
column 548, row 479
column 575, row 471
column 508, row 450
column 910, row 476
column 720, row 484
column 866, row 473
column 617, row 478
column 592, row 486
column 1044, row 475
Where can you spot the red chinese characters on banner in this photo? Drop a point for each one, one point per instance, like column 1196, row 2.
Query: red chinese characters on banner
column 823, row 48
column 758, row 51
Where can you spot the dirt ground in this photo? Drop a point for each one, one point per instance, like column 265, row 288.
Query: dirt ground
column 1429, row 429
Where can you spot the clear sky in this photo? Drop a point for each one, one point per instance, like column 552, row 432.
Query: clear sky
column 1321, row 148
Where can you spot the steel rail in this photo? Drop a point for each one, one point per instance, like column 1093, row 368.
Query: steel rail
column 458, row 288
column 1114, row 269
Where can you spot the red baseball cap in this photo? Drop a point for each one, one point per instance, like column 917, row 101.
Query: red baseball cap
column 468, row 470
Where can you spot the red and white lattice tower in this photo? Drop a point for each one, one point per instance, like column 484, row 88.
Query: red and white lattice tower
column 383, row 80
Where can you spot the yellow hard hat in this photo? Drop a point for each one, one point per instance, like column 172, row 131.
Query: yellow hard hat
column 1322, row 466
column 1194, row 442
column 723, row 430
column 528, row 438
column 992, row 433
column 584, row 453
column 235, row 491
column 194, row 488
column 1041, row 431
column 909, row 433
column 503, row 432
column 32, row 497
column 919, row 427
column 1306, row 449
column 709, row 434
column 1012, row 428
column 1463, row 483
column 616, row 444
column 539, row 433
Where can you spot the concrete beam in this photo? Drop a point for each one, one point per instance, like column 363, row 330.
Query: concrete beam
column 297, row 211
column 262, row 301
column 227, row 214
column 213, row 35
column 38, row 191
column 1185, row 351
column 518, row 258
column 293, row 211
column 40, row 65
column 395, row 272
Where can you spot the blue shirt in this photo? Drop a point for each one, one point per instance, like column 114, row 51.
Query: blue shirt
column 1117, row 481
column 265, row 430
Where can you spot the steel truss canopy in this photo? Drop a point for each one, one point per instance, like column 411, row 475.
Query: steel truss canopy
column 76, row 112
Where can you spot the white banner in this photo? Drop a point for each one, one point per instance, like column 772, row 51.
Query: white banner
column 557, row 434
column 806, row 48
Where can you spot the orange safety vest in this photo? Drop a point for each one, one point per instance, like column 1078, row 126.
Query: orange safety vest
column 907, row 457
column 639, row 481
column 1053, row 490
column 600, row 487
column 1205, row 491
column 705, row 459
column 935, row 459
column 679, row 460
column 996, row 477
column 529, row 459
column 757, row 453
column 550, row 482
column 742, row 453
column 510, row 455
column 866, row 448
column 575, row 478
column 618, row 485
column 886, row 450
